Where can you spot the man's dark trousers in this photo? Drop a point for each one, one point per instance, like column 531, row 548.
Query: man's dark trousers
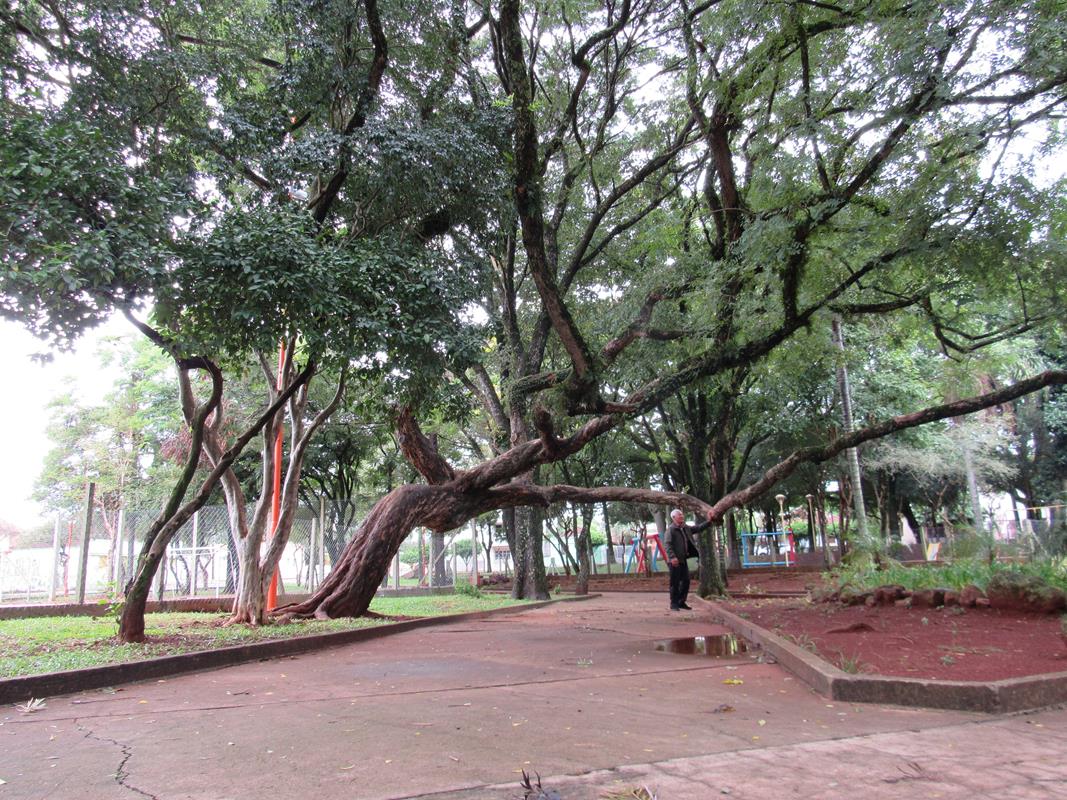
column 679, row 583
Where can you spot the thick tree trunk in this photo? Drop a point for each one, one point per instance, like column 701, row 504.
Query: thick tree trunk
column 438, row 564
column 250, row 599
column 582, row 585
column 131, row 621
column 734, row 540
column 712, row 583
column 350, row 587
column 532, row 583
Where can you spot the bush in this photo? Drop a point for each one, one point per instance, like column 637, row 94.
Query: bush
column 468, row 590
column 863, row 573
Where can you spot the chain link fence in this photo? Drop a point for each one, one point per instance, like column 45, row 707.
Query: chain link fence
column 201, row 560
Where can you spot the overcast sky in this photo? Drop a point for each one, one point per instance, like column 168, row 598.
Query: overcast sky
column 28, row 387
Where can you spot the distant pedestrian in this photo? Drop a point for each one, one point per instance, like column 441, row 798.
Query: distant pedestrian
column 679, row 546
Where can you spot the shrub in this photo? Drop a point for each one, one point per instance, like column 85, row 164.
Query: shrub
column 468, row 590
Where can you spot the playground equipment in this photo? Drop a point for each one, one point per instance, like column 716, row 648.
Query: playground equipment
column 748, row 549
column 638, row 552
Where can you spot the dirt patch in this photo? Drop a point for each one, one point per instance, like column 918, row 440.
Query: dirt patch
column 943, row 643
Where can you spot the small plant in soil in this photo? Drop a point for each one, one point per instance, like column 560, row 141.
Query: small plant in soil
column 803, row 641
column 533, row 790
column 849, row 664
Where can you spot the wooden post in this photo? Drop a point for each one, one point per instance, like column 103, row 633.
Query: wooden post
column 83, row 558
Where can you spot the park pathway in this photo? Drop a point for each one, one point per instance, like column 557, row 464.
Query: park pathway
column 574, row 692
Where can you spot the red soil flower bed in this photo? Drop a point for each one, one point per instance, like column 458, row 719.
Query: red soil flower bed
column 948, row 643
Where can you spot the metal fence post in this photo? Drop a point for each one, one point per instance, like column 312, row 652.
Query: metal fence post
column 474, row 552
column 313, row 555
column 54, row 583
column 196, row 545
column 322, row 537
column 116, row 553
column 83, row 558
column 130, row 546
column 161, row 583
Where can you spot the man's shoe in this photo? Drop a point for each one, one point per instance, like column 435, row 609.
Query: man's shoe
column 676, row 608
column 686, row 606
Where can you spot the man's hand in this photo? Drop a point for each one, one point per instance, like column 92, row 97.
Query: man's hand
column 711, row 516
column 674, row 562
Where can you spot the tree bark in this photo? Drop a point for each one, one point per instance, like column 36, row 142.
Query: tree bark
column 584, row 556
column 607, row 536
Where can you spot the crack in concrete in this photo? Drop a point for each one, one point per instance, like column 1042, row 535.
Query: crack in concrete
column 121, row 773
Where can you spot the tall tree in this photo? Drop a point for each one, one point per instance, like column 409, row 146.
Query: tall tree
column 246, row 191
column 833, row 160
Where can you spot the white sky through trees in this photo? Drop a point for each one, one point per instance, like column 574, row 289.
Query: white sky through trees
column 29, row 387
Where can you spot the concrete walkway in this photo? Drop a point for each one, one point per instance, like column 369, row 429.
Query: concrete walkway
column 573, row 691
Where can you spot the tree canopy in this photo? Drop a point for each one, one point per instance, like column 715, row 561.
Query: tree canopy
column 571, row 215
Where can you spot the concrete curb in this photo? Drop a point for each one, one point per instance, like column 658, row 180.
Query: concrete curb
column 13, row 690
column 995, row 697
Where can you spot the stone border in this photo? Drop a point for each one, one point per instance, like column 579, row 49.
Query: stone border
column 22, row 688
column 995, row 697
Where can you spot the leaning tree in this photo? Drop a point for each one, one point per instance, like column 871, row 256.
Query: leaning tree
column 695, row 184
column 231, row 176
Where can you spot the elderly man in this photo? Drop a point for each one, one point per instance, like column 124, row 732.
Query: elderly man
column 679, row 539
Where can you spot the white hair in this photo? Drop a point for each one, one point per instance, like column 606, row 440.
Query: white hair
column 677, row 511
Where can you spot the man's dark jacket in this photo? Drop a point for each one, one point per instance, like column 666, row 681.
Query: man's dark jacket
column 678, row 537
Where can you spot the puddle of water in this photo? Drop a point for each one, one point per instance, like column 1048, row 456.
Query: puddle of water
column 714, row 646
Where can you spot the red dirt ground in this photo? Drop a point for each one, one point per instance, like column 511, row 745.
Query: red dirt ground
column 948, row 644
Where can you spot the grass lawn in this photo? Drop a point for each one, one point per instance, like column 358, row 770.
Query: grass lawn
column 50, row 644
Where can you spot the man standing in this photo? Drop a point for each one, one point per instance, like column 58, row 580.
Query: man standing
column 679, row 541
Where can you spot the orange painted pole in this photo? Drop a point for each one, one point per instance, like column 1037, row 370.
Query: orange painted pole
column 276, row 505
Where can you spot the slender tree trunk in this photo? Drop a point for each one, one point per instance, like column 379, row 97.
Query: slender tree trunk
column 584, row 546
column 851, row 453
column 607, row 535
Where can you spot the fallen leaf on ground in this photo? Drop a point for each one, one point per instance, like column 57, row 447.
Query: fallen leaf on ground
column 722, row 709
column 733, row 681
